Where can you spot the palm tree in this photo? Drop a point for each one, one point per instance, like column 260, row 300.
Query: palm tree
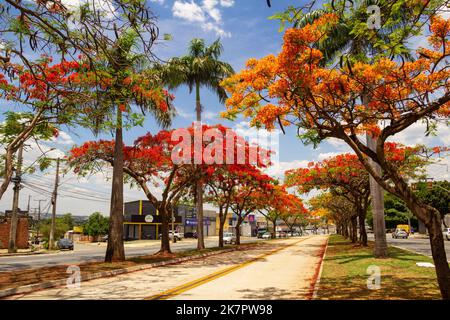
column 346, row 46
column 201, row 67
column 119, row 63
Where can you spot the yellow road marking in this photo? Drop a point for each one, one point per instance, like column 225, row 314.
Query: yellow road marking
column 200, row 281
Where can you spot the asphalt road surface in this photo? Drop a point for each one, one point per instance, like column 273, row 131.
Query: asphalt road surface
column 418, row 245
column 93, row 252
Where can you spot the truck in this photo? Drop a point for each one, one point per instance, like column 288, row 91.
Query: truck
column 404, row 227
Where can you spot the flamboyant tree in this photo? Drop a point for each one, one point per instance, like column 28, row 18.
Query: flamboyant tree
column 326, row 102
column 247, row 197
column 344, row 175
column 170, row 160
column 148, row 161
column 225, row 186
column 47, row 98
column 277, row 202
column 339, row 210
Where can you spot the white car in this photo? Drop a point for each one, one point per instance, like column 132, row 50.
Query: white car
column 229, row 237
column 266, row 236
column 447, row 233
column 178, row 236
column 400, row 233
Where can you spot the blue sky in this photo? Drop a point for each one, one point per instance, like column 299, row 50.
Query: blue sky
column 246, row 32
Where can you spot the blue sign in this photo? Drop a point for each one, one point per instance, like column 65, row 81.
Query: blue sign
column 193, row 222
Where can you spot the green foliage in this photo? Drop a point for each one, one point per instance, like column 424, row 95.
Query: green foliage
column 437, row 196
column 61, row 227
column 396, row 212
column 96, row 225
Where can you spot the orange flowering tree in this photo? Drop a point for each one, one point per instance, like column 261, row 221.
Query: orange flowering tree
column 293, row 88
column 344, row 175
column 337, row 209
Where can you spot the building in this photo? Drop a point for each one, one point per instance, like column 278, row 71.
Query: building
column 188, row 216
column 22, row 230
column 142, row 221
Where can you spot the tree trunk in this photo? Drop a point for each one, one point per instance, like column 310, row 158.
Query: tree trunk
column 362, row 227
column 9, row 154
column 199, row 187
column 115, row 250
column 274, row 234
column 432, row 220
column 354, row 235
column 377, row 194
column 439, row 256
column 238, row 230
column 165, row 240
column 222, row 219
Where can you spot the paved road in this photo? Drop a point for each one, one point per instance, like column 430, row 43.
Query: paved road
column 418, row 245
column 277, row 269
column 90, row 252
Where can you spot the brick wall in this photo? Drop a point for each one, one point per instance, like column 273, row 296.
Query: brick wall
column 22, row 233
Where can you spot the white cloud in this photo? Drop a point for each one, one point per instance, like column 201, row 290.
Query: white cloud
column 208, row 14
column 188, row 11
column 227, row 3
column 279, row 168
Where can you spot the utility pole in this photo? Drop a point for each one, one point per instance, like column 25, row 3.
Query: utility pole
column 12, row 246
column 28, row 207
column 174, row 240
column 38, row 227
column 51, row 242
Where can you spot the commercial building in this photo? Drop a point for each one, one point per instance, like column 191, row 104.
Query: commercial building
column 142, row 220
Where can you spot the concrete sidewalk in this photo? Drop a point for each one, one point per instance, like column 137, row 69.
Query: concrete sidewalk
column 293, row 266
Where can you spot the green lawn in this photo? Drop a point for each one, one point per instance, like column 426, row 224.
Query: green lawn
column 344, row 274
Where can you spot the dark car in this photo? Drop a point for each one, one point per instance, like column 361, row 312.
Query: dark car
column 65, row 244
column 190, row 235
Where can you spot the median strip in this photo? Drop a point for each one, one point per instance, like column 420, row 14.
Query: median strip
column 198, row 282
column 60, row 271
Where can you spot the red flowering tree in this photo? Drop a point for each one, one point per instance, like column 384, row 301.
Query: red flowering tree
column 246, row 198
column 276, row 203
column 43, row 89
column 225, row 186
column 325, row 101
column 168, row 160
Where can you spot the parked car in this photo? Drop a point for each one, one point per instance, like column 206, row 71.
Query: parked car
column 261, row 232
column 266, row 236
column 400, row 233
column 178, row 235
column 104, row 238
column 447, row 233
column 190, row 235
column 65, row 244
column 229, row 237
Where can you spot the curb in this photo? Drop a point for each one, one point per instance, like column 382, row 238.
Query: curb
column 23, row 254
column 318, row 273
column 62, row 282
